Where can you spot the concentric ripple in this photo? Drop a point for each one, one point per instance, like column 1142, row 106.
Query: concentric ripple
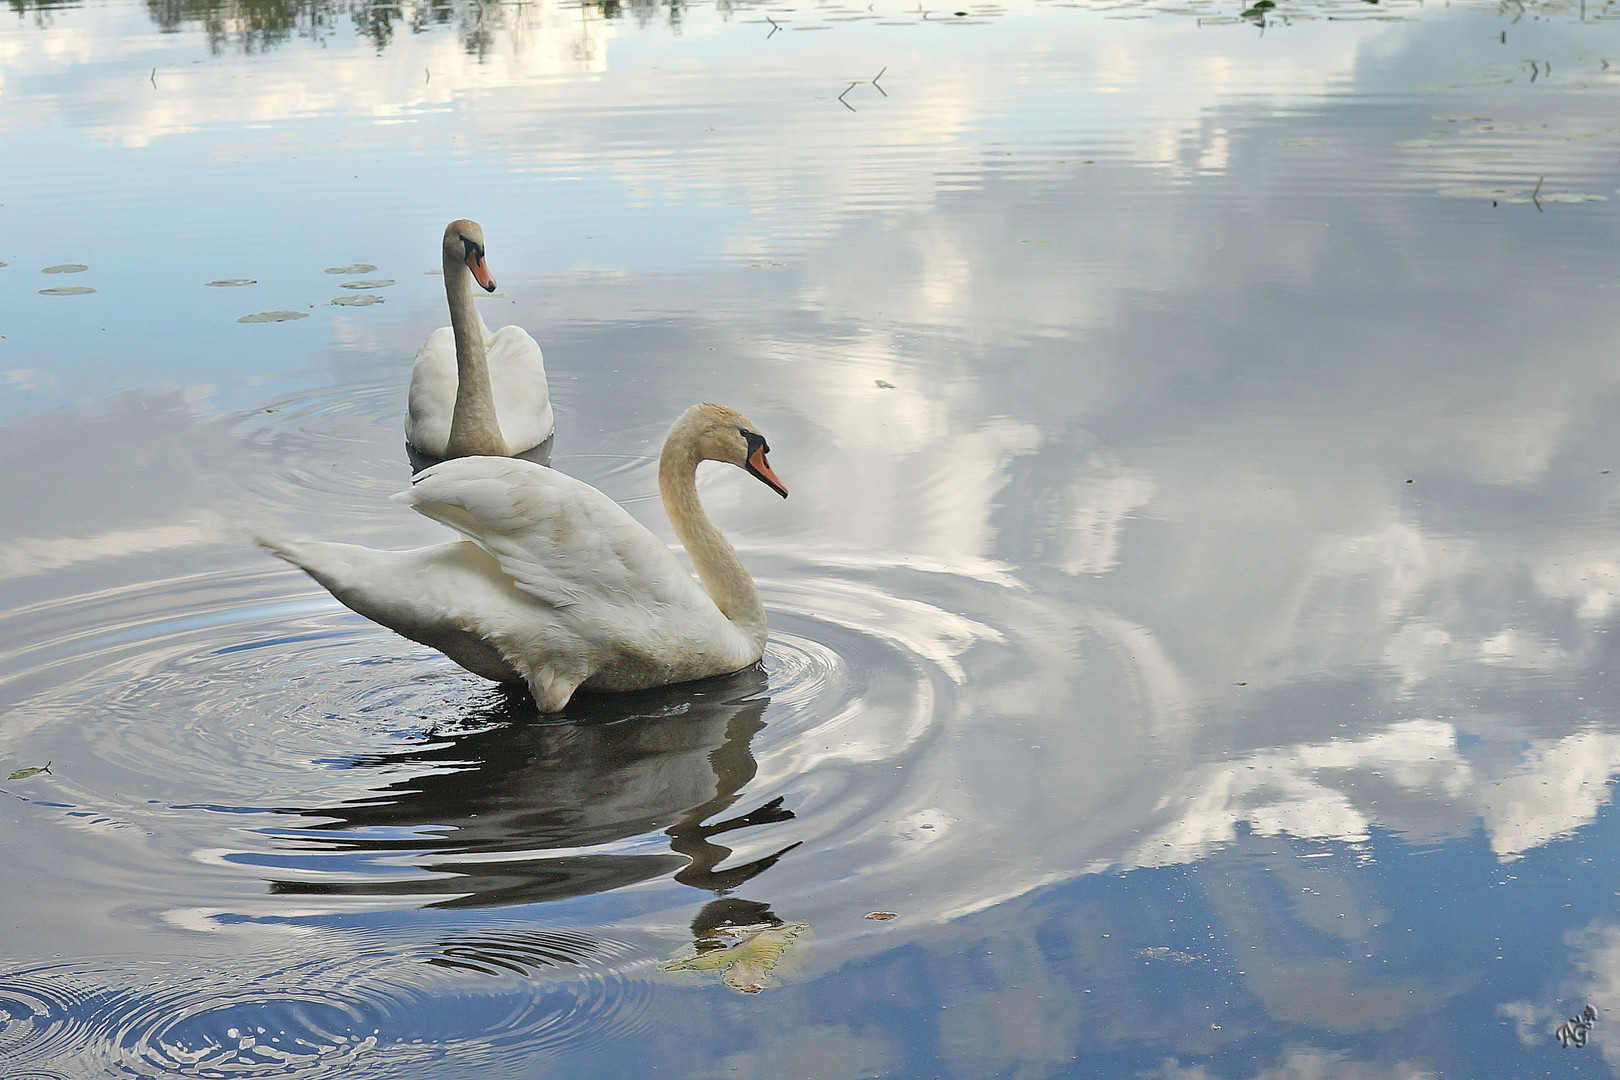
column 349, row 1014
column 327, row 443
column 235, row 752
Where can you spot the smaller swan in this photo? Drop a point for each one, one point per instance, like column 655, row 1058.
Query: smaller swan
column 473, row 392
column 556, row 585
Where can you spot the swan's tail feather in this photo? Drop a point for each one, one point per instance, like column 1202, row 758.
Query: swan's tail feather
column 280, row 547
column 317, row 558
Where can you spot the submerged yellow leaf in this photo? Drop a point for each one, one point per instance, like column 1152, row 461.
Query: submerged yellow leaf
column 23, row 774
column 743, row 964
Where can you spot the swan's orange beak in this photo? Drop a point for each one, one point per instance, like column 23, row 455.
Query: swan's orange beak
column 762, row 469
column 480, row 272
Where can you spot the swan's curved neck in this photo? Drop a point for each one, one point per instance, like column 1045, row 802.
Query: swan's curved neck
column 474, row 428
column 723, row 573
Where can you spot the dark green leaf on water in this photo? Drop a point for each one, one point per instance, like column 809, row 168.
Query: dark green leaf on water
column 372, row 283
column 881, row 385
column 229, row 283
column 67, row 290
column 66, row 268
column 357, row 268
column 23, row 774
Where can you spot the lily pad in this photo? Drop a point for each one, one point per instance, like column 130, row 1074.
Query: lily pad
column 231, row 282
column 357, row 268
column 65, row 268
column 274, row 316
column 67, row 290
column 1478, row 192
column 363, row 300
column 371, row 283
column 1559, row 197
column 23, row 774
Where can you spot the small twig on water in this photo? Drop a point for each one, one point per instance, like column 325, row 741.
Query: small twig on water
column 153, row 78
column 872, row 82
column 429, row 73
column 775, row 26
column 1535, row 196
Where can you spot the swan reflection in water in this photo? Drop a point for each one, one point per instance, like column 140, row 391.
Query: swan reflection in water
column 621, row 766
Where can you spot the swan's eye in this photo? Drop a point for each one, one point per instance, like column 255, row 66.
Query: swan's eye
column 755, row 441
column 474, row 248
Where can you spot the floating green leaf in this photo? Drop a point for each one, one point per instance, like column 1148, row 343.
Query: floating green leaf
column 372, row 283
column 67, row 290
column 363, row 300
column 231, row 282
column 23, row 774
column 274, row 316
column 357, row 268
column 66, row 268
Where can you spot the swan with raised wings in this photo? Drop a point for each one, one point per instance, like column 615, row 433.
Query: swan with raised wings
column 472, row 391
column 555, row 584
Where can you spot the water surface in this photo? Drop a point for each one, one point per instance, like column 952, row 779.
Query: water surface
column 1191, row 620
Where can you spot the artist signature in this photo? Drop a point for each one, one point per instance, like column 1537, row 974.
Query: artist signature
column 1572, row 1032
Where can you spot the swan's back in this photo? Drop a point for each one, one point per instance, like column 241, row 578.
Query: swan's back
column 517, row 378
column 613, row 603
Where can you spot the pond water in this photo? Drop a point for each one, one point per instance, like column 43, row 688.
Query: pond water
column 1192, row 620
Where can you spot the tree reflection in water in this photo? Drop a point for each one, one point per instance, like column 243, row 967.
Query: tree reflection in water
column 256, row 26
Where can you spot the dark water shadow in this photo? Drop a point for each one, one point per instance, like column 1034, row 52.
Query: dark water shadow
column 539, row 454
column 502, row 780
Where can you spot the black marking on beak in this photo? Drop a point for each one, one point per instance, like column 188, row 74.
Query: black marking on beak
column 756, row 463
column 475, row 262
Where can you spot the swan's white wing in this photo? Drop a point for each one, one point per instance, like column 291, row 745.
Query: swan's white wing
column 560, row 540
column 432, row 399
column 517, row 376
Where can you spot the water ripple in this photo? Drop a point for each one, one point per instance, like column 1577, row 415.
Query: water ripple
column 345, row 1014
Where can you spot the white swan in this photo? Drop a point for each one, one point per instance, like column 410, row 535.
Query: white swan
column 473, row 392
column 555, row 584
